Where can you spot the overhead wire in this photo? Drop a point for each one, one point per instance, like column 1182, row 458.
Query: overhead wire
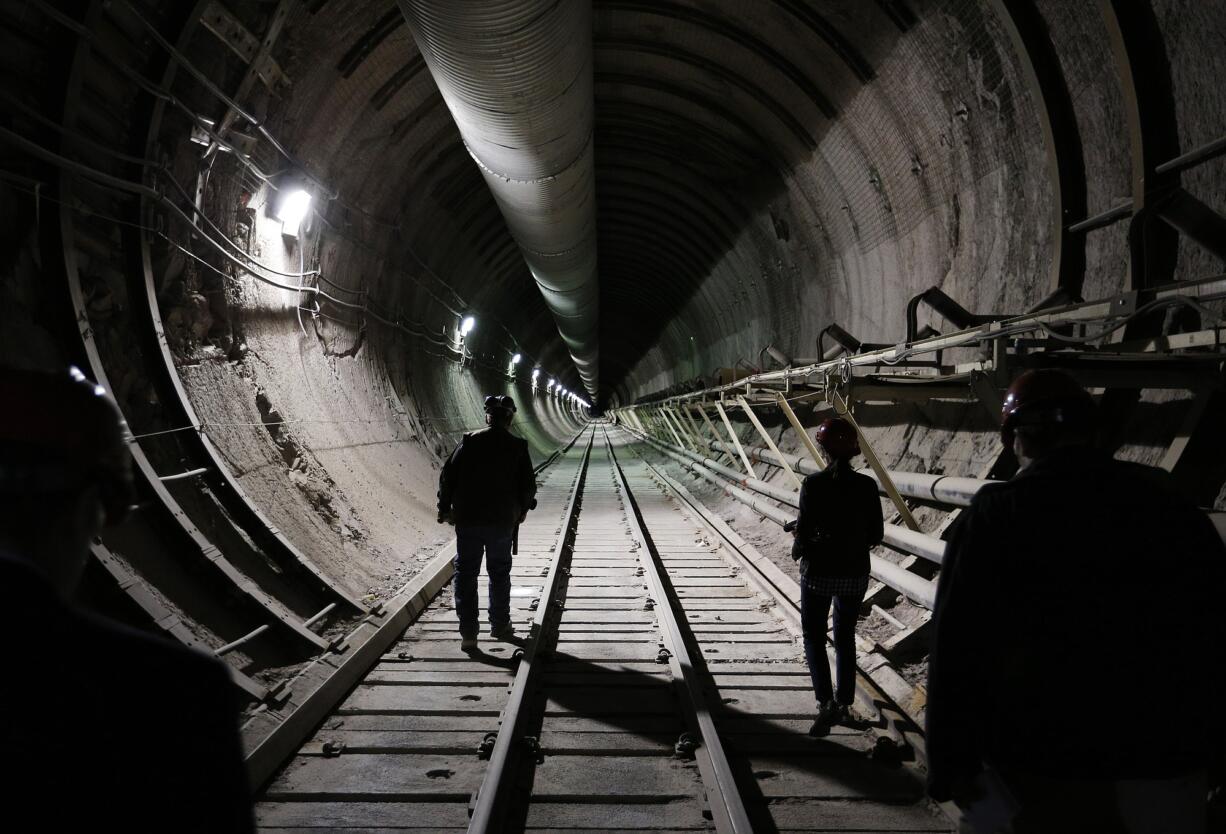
column 263, row 279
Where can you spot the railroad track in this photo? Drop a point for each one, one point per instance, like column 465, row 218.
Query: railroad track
column 657, row 685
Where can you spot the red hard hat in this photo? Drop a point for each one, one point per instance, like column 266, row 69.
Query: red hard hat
column 1044, row 397
column 838, row 438
column 60, row 432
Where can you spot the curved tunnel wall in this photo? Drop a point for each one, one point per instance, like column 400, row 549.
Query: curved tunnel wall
column 763, row 169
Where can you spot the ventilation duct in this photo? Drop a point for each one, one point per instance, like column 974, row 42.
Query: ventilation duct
column 517, row 78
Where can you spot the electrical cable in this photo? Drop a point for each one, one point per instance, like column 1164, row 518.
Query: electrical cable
column 168, row 97
column 149, row 87
column 277, row 284
column 182, row 61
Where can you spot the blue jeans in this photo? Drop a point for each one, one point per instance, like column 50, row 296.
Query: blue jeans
column 494, row 542
column 814, row 610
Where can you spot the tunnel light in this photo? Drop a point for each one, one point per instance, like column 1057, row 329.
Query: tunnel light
column 515, row 359
column 467, row 325
column 549, row 387
column 536, row 372
column 292, row 210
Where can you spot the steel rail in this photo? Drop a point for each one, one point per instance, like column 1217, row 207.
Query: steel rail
column 895, row 723
column 723, row 795
column 272, row 736
column 488, row 808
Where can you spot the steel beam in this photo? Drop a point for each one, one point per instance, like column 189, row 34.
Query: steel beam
column 736, row 441
column 883, row 476
column 757, row 424
column 254, row 69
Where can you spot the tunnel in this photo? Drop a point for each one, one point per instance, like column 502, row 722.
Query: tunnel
column 300, row 242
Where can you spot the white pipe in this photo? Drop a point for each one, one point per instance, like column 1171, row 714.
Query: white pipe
column 914, row 587
column 944, row 489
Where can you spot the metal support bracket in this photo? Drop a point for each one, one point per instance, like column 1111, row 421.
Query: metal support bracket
column 866, row 448
column 695, row 431
column 770, row 444
column 690, row 442
column 736, row 442
column 714, row 434
column 663, row 412
column 800, row 430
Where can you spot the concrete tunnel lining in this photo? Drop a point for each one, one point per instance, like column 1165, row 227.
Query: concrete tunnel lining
column 761, row 170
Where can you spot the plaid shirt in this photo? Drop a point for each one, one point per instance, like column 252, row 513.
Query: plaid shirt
column 835, row 586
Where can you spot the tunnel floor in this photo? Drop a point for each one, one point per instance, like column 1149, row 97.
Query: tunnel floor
column 610, row 710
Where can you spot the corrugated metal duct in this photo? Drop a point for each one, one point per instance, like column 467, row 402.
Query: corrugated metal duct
column 517, row 77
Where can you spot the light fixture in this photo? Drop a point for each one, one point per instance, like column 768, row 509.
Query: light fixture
column 549, row 387
column 536, row 372
column 292, row 208
column 515, row 359
column 467, row 325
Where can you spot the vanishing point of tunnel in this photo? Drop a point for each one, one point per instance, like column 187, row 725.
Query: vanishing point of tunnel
column 300, row 242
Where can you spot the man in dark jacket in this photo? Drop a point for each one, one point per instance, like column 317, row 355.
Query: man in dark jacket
column 106, row 728
column 840, row 521
column 1075, row 675
column 486, row 489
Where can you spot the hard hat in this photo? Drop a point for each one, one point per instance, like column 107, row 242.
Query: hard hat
column 1044, row 397
column 60, row 432
column 499, row 402
column 838, row 438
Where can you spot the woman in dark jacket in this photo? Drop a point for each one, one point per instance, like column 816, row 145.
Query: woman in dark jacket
column 840, row 520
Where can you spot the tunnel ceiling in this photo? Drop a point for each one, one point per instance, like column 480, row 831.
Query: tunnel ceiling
column 701, row 110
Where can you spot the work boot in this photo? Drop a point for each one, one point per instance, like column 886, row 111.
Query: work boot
column 827, row 717
column 468, row 641
column 504, row 633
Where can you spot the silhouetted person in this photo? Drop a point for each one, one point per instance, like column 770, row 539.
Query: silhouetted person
column 839, row 522
column 1075, row 675
column 486, row 489
column 102, row 728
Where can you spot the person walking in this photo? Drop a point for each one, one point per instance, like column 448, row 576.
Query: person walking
column 108, row 728
column 1075, row 675
column 486, row 489
column 840, row 521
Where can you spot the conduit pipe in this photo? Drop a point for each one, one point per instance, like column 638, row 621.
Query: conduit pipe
column 915, row 587
column 900, row 538
column 944, row 489
column 517, row 78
